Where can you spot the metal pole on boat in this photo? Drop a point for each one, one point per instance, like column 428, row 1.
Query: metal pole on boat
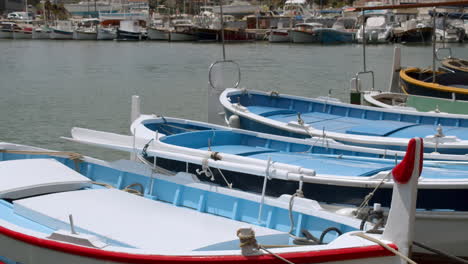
column 72, row 225
column 364, row 40
column 433, row 44
column 222, row 28
column 135, row 108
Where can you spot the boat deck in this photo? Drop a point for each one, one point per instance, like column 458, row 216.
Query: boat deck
column 356, row 125
column 134, row 221
column 315, row 156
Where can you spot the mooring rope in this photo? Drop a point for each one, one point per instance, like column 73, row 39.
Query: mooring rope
column 387, row 247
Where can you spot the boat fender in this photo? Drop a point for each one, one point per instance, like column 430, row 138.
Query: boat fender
column 234, row 121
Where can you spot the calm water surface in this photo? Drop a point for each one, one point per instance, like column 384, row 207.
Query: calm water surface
column 47, row 87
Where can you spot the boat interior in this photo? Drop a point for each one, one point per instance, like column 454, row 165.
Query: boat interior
column 312, row 156
column 317, row 156
column 323, row 115
column 454, row 79
column 152, row 215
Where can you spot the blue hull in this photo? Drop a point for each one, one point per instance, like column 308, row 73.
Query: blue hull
column 428, row 199
column 326, row 160
column 330, row 36
column 348, row 121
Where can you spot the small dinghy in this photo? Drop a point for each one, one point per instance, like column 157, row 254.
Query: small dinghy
column 457, row 65
column 76, row 209
column 303, row 117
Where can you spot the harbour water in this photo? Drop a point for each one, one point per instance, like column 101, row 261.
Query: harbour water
column 47, row 87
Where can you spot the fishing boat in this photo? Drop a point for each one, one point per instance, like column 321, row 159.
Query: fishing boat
column 41, row 32
column 336, row 34
column 412, row 31
column 106, row 33
column 305, row 33
column 277, row 35
column 158, row 33
column 62, row 30
column 129, row 30
column 302, row 117
column 85, row 34
column 87, row 210
column 183, row 30
column 455, row 64
column 207, row 34
column 237, row 167
column 6, row 30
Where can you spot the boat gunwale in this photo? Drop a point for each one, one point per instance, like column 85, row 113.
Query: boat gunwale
column 433, row 86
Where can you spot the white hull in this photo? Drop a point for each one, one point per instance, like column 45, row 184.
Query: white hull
column 58, row 35
column 280, row 36
column 80, row 35
column 158, row 34
column 41, row 35
column 176, row 36
column 22, row 35
column 106, row 34
column 303, row 37
column 6, row 35
column 447, row 232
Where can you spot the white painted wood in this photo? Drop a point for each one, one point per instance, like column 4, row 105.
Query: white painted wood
column 22, row 178
column 137, row 221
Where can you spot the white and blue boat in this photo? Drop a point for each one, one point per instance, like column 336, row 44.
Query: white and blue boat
column 66, row 208
column 302, row 117
column 333, row 173
column 338, row 33
column 248, row 170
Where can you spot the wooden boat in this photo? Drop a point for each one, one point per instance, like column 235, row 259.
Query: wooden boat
column 304, row 33
column 277, row 35
column 81, row 211
column 407, row 102
column 85, row 34
column 455, row 64
column 247, row 170
column 129, row 30
column 303, row 117
column 183, row 32
column 422, row 34
column 106, row 33
column 156, row 33
column 448, row 85
column 41, row 32
column 207, row 34
column 6, row 30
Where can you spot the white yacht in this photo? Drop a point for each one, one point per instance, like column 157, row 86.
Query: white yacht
column 378, row 27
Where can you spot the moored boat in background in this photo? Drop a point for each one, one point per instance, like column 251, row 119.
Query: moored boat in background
column 129, row 30
column 62, row 30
